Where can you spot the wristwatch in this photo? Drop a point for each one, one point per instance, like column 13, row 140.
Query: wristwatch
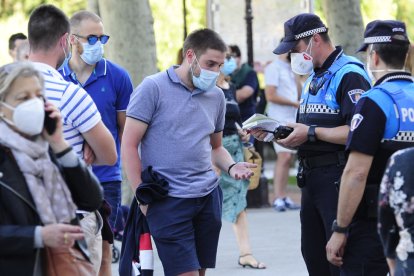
column 339, row 229
column 312, row 134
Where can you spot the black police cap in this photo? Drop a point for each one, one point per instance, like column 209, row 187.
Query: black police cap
column 384, row 31
column 298, row 27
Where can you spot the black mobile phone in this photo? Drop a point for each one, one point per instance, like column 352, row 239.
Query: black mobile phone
column 50, row 123
column 282, row 132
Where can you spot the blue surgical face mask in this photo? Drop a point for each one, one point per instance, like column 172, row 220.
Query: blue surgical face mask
column 206, row 80
column 66, row 60
column 92, row 53
column 229, row 66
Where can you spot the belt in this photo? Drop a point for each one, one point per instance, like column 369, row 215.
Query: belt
column 332, row 158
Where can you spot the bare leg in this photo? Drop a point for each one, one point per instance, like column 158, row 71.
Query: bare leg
column 190, row 273
column 200, row 272
column 242, row 235
column 281, row 174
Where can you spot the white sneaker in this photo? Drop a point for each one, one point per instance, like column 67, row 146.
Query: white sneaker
column 290, row 204
column 279, row 205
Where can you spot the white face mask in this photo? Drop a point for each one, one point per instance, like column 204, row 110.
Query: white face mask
column 301, row 63
column 28, row 117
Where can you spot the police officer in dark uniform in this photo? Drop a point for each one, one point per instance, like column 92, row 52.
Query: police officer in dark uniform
column 383, row 123
column 326, row 107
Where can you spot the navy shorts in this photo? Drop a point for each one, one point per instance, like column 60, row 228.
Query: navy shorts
column 186, row 231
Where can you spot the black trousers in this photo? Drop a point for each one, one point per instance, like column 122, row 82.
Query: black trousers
column 318, row 211
column 363, row 252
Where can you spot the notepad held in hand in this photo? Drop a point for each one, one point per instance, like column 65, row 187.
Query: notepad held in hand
column 274, row 128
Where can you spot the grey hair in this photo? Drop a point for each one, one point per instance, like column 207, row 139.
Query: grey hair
column 10, row 72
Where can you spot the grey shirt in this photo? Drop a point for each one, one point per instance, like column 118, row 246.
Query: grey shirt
column 177, row 140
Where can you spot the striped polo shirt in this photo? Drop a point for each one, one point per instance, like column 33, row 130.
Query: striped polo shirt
column 79, row 112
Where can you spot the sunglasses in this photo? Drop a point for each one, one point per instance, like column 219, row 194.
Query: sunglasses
column 317, row 82
column 92, row 39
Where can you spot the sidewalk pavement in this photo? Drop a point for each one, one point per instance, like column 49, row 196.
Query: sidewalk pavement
column 274, row 238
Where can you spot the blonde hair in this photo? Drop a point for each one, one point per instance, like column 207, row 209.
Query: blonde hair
column 10, row 72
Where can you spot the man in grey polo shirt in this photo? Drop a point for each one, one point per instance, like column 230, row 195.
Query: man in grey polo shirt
column 178, row 117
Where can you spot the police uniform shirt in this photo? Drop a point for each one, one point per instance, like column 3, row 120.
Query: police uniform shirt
column 367, row 132
column 351, row 86
column 351, row 82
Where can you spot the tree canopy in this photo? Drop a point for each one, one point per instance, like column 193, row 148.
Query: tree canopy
column 168, row 20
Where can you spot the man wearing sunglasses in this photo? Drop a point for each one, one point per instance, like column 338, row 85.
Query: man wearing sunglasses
column 110, row 87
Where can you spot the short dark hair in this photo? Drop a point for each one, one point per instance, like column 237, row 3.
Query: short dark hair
column 47, row 24
column 234, row 49
column 13, row 38
column 393, row 54
column 202, row 40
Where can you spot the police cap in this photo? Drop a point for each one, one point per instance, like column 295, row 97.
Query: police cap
column 298, row 27
column 384, row 31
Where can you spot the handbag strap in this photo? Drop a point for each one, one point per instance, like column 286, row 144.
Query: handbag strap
column 18, row 195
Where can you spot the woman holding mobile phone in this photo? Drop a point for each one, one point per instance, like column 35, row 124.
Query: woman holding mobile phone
column 42, row 181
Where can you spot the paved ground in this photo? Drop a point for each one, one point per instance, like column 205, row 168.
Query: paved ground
column 275, row 239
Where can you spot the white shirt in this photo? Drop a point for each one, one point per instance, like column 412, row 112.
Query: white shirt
column 280, row 75
column 79, row 112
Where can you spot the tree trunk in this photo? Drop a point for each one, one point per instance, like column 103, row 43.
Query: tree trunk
column 93, row 6
column 132, row 43
column 344, row 23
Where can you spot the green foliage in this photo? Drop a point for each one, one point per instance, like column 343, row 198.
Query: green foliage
column 10, row 7
column 405, row 11
column 169, row 26
column 388, row 9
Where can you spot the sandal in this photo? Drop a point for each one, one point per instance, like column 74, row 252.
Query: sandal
column 258, row 265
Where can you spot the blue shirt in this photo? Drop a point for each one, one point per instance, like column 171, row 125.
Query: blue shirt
column 177, row 140
column 110, row 88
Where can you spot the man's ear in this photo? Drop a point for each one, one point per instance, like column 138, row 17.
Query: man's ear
column 375, row 58
column 72, row 39
column 64, row 40
column 317, row 39
column 190, row 55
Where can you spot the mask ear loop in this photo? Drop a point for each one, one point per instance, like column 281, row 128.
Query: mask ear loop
column 191, row 66
column 309, row 46
column 3, row 117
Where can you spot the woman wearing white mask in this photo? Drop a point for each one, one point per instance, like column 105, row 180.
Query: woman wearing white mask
column 42, row 182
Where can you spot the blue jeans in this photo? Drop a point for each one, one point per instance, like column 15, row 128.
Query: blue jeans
column 112, row 194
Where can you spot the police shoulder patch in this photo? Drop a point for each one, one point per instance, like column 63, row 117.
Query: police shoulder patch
column 355, row 94
column 356, row 121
